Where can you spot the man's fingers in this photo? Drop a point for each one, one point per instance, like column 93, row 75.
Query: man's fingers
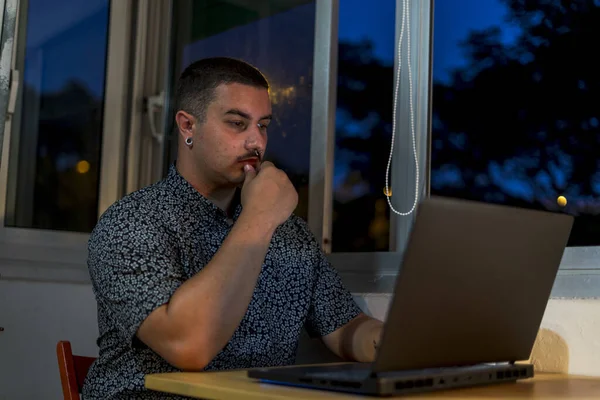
column 266, row 164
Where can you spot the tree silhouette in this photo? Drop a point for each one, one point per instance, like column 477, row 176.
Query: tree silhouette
column 518, row 124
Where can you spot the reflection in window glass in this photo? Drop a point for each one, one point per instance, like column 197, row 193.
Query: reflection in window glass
column 515, row 116
column 361, row 217
column 277, row 37
column 55, row 146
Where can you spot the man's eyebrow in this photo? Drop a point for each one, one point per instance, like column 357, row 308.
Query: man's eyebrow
column 235, row 111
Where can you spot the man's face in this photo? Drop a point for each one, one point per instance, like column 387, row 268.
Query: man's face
column 235, row 127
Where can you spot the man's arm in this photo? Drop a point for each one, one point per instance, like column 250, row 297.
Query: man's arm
column 357, row 340
column 204, row 312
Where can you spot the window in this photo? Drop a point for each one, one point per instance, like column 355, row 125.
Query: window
column 55, row 150
column 365, row 83
column 277, row 38
column 331, row 72
column 67, row 63
column 515, row 120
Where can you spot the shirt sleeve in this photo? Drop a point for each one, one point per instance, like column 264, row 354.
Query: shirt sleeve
column 133, row 264
column 332, row 305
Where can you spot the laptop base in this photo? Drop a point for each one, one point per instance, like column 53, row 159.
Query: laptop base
column 357, row 378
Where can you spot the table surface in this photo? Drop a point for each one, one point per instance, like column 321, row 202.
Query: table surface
column 234, row 385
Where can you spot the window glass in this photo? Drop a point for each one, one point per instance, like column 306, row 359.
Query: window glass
column 57, row 132
column 361, row 218
column 515, row 117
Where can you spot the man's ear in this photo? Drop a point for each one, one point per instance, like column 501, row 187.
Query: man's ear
column 185, row 123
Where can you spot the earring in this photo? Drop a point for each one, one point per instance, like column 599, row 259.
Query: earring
column 188, row 140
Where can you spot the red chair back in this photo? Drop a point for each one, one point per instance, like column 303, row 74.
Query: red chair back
column 73, row 370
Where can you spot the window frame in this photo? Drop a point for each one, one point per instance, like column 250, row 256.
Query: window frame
column 146, row 142
column 322, row 138
column 8, row 20
column 61, row 256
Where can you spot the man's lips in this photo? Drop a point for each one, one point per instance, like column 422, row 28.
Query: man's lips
column 251, row 160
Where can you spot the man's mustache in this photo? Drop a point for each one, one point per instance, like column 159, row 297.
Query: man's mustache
column 252, row 154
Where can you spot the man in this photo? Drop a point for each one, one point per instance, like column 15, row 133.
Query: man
column 208, row 269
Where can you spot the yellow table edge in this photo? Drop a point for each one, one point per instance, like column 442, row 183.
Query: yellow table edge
column 235, row 385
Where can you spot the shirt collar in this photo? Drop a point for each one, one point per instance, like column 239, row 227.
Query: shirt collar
column 186, row 192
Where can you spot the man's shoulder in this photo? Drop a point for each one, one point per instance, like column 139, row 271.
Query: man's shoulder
column 296, row 233
column 297, row 225
column 143, row 201
column 139, row 210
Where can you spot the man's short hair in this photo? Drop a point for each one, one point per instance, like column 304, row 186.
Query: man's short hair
column 196, row 85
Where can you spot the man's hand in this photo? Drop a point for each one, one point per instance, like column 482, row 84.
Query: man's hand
column 268, row 194
column 357, row 340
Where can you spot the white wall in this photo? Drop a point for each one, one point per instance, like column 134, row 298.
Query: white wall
column 569, row 339
column 37, row 315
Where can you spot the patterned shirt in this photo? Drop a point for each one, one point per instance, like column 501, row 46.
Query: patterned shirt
column 147, row 244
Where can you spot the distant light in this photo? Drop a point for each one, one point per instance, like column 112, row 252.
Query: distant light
column 281, row 94
column 387, row 191
column 562, row 201
column 82, row 167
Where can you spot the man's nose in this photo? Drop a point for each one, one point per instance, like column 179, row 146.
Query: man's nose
column 255, row 139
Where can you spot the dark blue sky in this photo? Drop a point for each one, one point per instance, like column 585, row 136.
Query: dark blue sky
column 356, row 22
column 75, row 32
column 453, row 20
column 66, row 40
column 375, row 23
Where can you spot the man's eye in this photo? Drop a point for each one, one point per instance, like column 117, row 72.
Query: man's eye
column 238, row 124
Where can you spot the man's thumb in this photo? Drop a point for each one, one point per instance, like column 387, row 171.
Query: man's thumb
column 250, row 173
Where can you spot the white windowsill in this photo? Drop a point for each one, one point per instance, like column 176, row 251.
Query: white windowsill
column 362, row 272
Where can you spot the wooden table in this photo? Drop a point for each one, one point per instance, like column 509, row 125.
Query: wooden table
column 235, row 385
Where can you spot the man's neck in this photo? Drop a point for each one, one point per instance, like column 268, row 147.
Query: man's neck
column 221, row 197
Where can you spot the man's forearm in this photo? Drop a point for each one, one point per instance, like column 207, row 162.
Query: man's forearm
column 205, row 311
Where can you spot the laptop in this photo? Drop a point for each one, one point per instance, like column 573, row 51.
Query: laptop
column 468, row 302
